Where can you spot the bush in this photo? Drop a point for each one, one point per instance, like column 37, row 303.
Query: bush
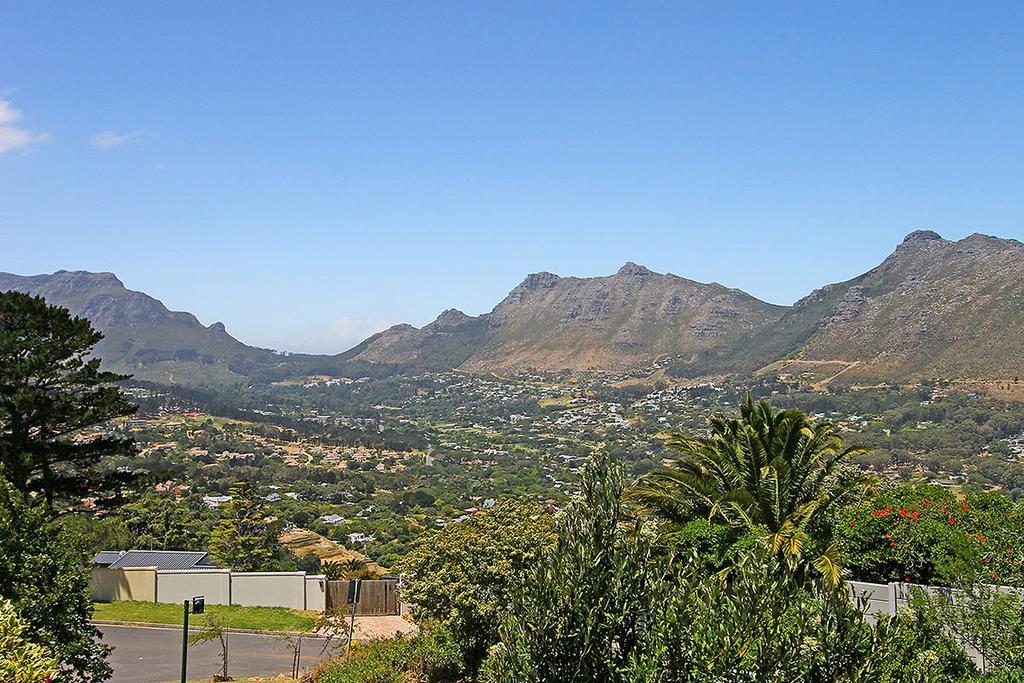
column 928, row 535
column 460, row 577
column 583, row 610
column 21, row 661
column 601, row 606
column 424, row 658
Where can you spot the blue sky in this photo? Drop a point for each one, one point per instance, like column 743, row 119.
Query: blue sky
column 309, row 173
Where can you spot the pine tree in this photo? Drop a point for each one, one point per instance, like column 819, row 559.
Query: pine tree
column 52, row 395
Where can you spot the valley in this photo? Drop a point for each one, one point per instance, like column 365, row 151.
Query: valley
column 389, row 459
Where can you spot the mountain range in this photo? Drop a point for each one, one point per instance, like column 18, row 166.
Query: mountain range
column 934, row 308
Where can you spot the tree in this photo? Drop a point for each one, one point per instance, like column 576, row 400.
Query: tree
column 243, row 539
column 166, row 523
column 987, row 618
column 460, row 577
column 775, row 473
column 216, row 628
column 21, row 660
column 42, row 572
column 602, row 606
column 581, row 612
column 51, row 395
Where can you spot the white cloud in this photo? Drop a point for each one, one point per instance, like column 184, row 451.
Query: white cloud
column 12, row 135
column 109, row 139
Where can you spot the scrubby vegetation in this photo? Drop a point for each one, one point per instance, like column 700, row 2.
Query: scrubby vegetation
column 622, row 593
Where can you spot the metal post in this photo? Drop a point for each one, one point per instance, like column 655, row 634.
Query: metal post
column 352, row 622
column 184, row 641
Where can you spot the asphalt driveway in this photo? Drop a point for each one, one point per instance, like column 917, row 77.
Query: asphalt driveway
column 152, row 655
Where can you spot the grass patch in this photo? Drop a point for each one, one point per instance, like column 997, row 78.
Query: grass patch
column 236, row 616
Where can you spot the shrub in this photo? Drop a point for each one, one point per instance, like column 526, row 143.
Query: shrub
column 583, row 610
column 928, row 535
column 424, row 658
column 43, row 574
column 21, row 661
column 460, row 577
column 600, row 606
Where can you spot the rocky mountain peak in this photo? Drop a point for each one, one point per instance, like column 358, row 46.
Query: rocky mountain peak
column 630, row 269
column 922, row 236
column 450, row 318
column 542, row 280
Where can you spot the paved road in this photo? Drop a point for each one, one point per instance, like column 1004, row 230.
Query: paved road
column 152, row 655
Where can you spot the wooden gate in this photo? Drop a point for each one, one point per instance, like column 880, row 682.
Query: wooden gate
column 377, row 597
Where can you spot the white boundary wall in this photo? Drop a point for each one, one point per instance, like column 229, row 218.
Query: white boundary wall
column 295, row 590
column 287, row 589
column 177, row 585
column 316, row 592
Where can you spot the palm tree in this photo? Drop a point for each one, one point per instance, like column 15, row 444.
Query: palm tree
column 776, row 472
column 353, row 568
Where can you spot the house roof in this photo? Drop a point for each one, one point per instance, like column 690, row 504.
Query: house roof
column 161, row 559
column 106, row 557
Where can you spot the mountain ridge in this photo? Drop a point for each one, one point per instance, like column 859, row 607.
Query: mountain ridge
column 931, row 308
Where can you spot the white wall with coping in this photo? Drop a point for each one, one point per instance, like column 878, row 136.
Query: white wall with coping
column 276, row 589
column 316, row 592
column 178, row 585
column 880, row 598
column 135, row 583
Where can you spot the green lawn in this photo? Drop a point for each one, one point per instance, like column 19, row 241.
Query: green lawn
column 255, row 618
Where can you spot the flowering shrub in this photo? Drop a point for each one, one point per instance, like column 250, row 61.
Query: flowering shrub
column 930, row 535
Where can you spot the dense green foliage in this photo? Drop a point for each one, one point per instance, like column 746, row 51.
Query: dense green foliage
column 424, row 658
column 601, row 606
column 43, row 574
column 988, row 619
column 930, row 535
column 774, row 472
column 460, row 577
column 51, row 394
column 582, row 611
column 21, row 660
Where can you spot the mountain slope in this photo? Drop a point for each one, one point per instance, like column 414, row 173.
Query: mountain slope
column 141, row 336
column 934, row 308
column 550, row 323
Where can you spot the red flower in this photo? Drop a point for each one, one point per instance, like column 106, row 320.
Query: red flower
column 915, row 515
column 892, row 544
column 853, row 523
column 952, row 521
